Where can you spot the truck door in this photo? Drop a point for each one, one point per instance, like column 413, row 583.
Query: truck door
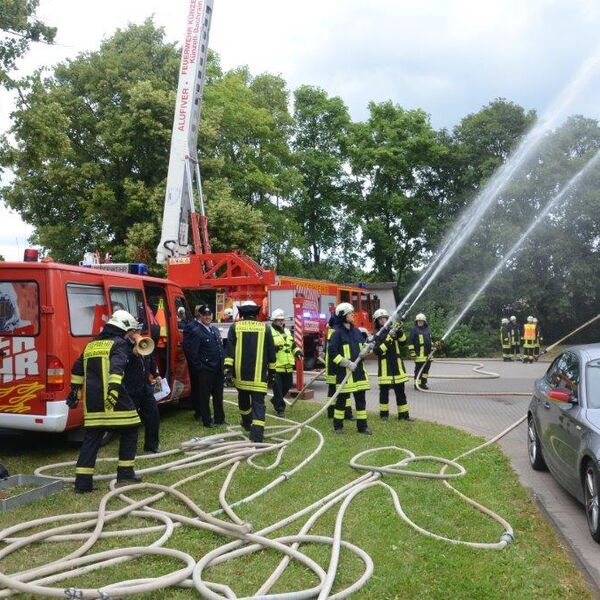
column 22, row 345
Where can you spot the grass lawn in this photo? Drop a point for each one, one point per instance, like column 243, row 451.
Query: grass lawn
column 407, row 564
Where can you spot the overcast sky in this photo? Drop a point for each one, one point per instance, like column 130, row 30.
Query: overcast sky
column 449, row 57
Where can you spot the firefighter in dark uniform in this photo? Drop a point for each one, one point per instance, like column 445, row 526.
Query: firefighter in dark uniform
column 539, row 340
column 330, row 375
column 505, row 340
column 141, row 374
column 344, row 347
column 285, row 361
column 250, row 361
column 391, row 373
column 419, row 349
column 107, row 404
column 515, row 339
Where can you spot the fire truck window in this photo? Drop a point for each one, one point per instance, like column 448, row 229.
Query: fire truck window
column 344, row 296
column 87, row 308
column 355, row 301
column 132, row 301
column 19, row 308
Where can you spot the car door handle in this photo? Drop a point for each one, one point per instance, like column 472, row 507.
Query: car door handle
column 546, row 404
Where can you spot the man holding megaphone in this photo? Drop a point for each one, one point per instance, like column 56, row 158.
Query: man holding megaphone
column 141, row 375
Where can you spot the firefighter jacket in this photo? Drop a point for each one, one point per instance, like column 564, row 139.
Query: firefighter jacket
column 505, row 336
column 391, row 366
column 419, row 343
column 251, row 353
column 285, row 348
column 103, row 363
column 139, row 374
column 347, row 342
column 539, row 339
column 529, row 335
column 515, row 334
column 203, row 347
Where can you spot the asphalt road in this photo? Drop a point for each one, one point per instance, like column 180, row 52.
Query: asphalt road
column 488, row 416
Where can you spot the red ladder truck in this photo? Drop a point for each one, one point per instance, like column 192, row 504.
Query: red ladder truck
column 232, row 275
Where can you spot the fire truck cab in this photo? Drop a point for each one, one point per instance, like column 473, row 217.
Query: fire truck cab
column 50, row 311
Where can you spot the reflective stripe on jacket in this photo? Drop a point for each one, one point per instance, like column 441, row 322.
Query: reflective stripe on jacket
column 285, row 349
column 391, row 368
column 505, row 336
column 419, row 343
column 251, row 353
column 102, row 363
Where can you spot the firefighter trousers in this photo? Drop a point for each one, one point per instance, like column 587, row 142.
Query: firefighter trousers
column 252, row 410
column 84, row 471
column 209, row 383
column 422, row 379
column 282, row 384
column 528, row 354
column 339, row 413
column 384, row 399
column 515, row 352
column 331, row 408
column 148, row 410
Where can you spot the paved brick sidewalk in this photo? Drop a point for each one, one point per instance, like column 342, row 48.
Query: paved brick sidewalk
column 489, row 416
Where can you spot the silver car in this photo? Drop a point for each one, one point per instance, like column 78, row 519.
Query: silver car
column 563, row 433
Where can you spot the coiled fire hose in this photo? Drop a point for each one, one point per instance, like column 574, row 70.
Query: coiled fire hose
column 206, row 456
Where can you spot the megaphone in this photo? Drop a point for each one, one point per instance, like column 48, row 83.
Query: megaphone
column 143, row 345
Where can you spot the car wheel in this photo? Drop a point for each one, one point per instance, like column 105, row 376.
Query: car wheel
column 534, row 448
column 591, row 499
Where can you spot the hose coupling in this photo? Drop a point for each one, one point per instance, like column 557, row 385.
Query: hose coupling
column 73, row 593
column 285, row 475
column 103, row 595
column 507, row 537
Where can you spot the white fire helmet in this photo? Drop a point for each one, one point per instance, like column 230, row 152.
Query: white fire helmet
column 535, row 319
column 513, row 318
column 343, row 309
column 248, row 308
column 505, row 321
column 278, row 314
column 380, row 312
column 123, row 320
column 530, row 319
column 420, row 317
column 228, row 312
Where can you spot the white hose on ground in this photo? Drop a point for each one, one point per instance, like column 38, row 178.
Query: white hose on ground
column 212, row 454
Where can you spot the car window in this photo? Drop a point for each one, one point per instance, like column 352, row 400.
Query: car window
column 593, row 384
column 131, row 300
column 552, row 370
column 87, row 309
column 566, row 375
column 19, row 308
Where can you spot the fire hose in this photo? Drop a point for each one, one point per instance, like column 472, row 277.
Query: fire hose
column 211, row 454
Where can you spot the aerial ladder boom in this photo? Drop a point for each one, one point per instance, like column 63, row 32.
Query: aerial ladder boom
column 183, row 178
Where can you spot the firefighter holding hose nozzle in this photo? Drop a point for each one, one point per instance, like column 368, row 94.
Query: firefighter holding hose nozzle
column 391, row 373
column 419, row 349
column 344, row 348
column 331, row 375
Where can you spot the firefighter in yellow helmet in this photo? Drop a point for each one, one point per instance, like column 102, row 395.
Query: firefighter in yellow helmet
column 391, row 373
column 250, row 361
column 99, row 373
column 344, row 347
column 285, row 361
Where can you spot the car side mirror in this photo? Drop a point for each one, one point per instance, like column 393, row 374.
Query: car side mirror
column 560, row 396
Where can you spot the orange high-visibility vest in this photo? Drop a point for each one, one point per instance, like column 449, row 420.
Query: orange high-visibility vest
column 161, row 319
column 529, row 331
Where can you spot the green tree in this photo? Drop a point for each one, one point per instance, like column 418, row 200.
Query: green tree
column 19, row 27
column 320, row 204
column 390, row 154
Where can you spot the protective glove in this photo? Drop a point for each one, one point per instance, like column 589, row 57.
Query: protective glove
column 412, row 355
column 394, row 333
column 73, row 397
column 439, row 344
column 113, row 395
column 348, row 364
column 300, row 355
